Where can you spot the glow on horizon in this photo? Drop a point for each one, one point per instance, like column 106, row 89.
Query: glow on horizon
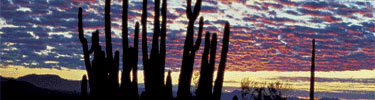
column 231, row 78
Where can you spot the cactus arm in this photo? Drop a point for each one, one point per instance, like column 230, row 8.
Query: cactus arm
column 108, row 40
column 199, row 39
column 155, row 38
column 125, row 39
column 145, row 58
column 189, row 14
column 163, row 33
column 114, row 72
column 144, row 34
column 83, row 40
column 197, row 9
column 135, row 66
column 211, row 65
column 201, row 90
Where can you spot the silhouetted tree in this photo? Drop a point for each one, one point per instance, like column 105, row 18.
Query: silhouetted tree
column 312, row 78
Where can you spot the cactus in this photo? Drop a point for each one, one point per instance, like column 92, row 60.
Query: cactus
column 125, row 77
column 235, row 97
column 103, row 70
column 204, row 90
column 189, row 51
column 312, row 79
column 146, row 70
column 134, row 56
column 154, row 64
column 220, row 74
column 84, row 87
column 129, row 87
column 168, row 87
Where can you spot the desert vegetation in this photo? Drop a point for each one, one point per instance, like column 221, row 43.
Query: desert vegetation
column 103, row 70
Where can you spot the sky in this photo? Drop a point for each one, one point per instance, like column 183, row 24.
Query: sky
column 267, row 36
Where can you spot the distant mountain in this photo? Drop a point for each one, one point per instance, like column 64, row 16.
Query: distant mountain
column 48, row 86
column 52, row 82
column 20, row 90
column 230, row 95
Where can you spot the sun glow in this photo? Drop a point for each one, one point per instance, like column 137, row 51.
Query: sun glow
column 233, row 78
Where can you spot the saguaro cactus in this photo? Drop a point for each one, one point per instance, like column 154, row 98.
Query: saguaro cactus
column 189, row 51
column 129, row 87
column 312, row 78
column 204, row 90
column 134, row 64
column 168, row 87
column 102, row 71
column 220, row 74
column 155, row 64
column 84, row 87
column 235, row 97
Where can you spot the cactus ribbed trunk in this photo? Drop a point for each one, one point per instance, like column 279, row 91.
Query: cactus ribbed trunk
column 220, row 74
column 125, row 79
column 190, row 48
column 146, row 69
column 204, row 90
column 102, row 71
column 312, row 78
column 154, row 65
column 107, row 24
column 129, row 87
column 135, row 63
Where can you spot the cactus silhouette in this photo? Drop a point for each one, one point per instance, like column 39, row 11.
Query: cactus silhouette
column 312, row 78
column 84, row 87
column 168, row 87
column 204, row 90
column 220, row 74
column 154, row 64
column 186, row 71
column 129, row 87
column 235, row 98
column 102, row 71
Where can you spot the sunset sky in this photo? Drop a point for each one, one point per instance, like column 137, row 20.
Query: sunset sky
column 270, row 39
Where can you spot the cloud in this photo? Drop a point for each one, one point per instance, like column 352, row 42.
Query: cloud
column 344, row 32
column 321, row 79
